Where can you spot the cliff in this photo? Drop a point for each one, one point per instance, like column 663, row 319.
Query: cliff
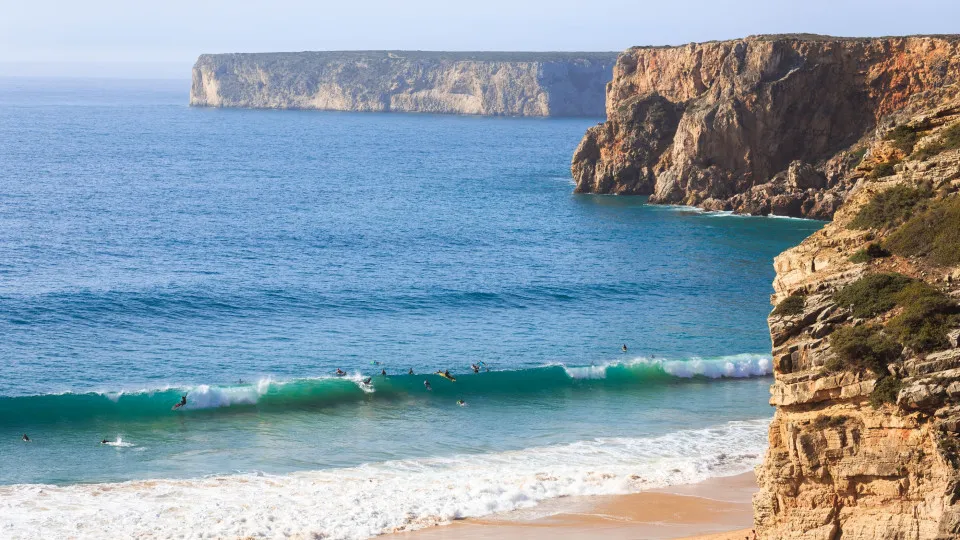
column 489, row 83
column 864, row 442
column 766, row 124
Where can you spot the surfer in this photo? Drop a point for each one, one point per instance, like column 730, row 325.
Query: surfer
column 426, row 384
column 183, row 401
column 383, row 372
column 367, row 380
column 25, row 438
column 461, row 403
column 410, row 372
column 475, row 368
column 104, row 442
column 446, row 375
column 624, row 348
column 340, row 372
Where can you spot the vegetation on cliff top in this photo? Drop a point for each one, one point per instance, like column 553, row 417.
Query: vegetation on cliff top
column 872, row 294
column 890, row 208
column 859, row 348
column 948, row 140
column 791, row 305
column 869, row 253
column 933, row 232
column 927, row 316
column 885, row 391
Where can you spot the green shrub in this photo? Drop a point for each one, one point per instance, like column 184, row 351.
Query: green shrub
column 904, row 138
column 927, row 316
column 881, row 170
column 933, row 233
column 856, row 156
column 948, row 140
column 889, row 208
column 872, row 294
column 869, row 253
column 791, row 305
column 823, row 421
column 859, row 348
column 885, row 391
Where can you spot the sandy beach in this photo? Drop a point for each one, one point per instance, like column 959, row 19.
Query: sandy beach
column 717, row 509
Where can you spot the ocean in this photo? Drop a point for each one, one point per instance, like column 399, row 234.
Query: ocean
column 150, row 251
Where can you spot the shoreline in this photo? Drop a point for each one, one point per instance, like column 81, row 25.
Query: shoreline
column 715, row 509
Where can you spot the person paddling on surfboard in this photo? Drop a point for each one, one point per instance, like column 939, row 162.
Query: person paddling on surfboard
column 25, row 438
column 383, row 372
column 426, row 384
column 475, row 368
column 624, row 348
column 340, row 372
column 183, row 401
column 367, row 380
column 461, row 403
column 410, row 372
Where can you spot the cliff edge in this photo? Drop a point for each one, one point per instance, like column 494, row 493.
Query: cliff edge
column 483, row 83
column 761, row 125
column 865, row 441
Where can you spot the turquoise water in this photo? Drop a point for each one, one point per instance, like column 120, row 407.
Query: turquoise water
column 150, row 250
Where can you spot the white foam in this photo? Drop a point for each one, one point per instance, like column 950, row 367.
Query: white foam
column 364, row 501
column 733, row 366
column 119, row 443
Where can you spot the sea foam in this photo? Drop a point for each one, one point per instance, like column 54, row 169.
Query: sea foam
column 373, row 499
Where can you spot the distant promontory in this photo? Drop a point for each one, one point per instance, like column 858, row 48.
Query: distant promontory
column 483, row 83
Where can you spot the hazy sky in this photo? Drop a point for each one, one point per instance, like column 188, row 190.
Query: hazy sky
column 163, row 37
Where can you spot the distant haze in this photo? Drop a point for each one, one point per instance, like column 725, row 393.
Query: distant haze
column 162, row 39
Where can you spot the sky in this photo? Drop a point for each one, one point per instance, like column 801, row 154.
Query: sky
column 162, row 38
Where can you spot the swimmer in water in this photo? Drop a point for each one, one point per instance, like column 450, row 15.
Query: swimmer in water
column 340, row 372
column 461, row 403
column 475, row 368
column 624, row 348
column 104, row 442
column 383, row 372
column 410, row 372
column 25, row 438
column 367, row 380
column 426, row 384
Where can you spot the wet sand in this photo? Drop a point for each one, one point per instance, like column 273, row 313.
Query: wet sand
column 718, row 509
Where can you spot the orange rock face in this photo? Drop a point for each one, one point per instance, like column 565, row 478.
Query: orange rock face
column 721, row 125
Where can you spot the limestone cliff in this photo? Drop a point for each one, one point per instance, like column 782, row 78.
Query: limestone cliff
column 864, row 442
column 490, row 83
column 760, row 125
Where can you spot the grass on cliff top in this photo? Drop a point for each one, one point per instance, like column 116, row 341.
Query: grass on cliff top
column 869, row 253
column 872, row 294
column 791, row 305
column 859, row 348
column 823, row 421
column 933, row 233
column 890, row 208
column 948, row 140
column 928, row 314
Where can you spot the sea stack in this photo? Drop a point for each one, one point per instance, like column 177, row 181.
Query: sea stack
column 761, row 125
column 479, row 83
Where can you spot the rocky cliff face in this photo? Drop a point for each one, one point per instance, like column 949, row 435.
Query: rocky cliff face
column 760, row 125
column 515, row 84
column 864, row 443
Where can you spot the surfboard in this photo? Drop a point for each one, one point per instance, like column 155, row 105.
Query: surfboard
column 447, row 377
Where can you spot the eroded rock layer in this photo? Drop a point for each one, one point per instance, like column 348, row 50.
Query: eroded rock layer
column 759, row 125
column 489, row 83
column 864, row 442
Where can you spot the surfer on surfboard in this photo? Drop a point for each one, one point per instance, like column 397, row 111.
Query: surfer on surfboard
column 446, row 375
column 183, row 401
column 340, row 372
